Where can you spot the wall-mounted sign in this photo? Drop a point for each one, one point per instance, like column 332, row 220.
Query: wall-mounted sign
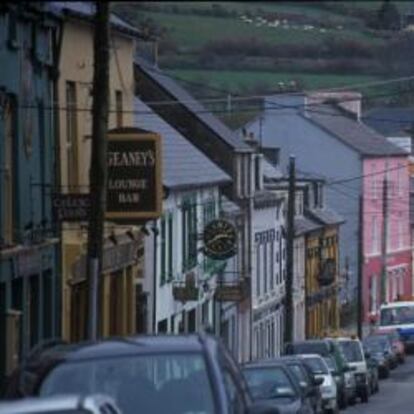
column 71, row 207
column 220, row 239
column 134, row 189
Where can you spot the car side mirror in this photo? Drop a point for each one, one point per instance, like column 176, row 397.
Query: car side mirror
column 262, row 408
column 367, row 355
column 317, row 381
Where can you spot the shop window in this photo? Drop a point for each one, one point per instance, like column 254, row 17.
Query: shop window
column 192, row 321
column 34, row 305
column 163, row 326
column 47, row 304
column 72, row 136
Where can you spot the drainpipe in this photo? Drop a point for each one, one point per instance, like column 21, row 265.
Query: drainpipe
column 154, row 286
column 57, row 44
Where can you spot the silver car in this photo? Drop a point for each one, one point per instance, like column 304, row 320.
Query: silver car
column 70, row 404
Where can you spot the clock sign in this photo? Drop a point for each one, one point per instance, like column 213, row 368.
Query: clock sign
column 220, row 239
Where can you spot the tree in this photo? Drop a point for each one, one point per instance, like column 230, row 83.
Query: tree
column 388, row 16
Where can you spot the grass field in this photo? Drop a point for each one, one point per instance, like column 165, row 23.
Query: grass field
column 239, row 81
column 191, row 31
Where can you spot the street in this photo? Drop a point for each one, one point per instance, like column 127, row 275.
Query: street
column 396, row 394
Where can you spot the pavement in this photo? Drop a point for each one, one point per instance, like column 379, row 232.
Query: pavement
column 396, row 395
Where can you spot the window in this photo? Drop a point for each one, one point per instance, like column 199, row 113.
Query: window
column 374, row 187
column 170, row 271
column 299, row 204
column 373, row 293
column 118, row 108
column 272, row 265
column 265, row 268
column 72, row 136
column 12, row 29
column 163, row 265
column 258, row 268
column 374, row 235
column 257, row 172
column 189, row 233
column 8, row 218
column 400, row 233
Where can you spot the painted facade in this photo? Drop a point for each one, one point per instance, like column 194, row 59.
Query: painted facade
column 243, row 164
column 398, row 282
column 120, row 267
column 29, row 276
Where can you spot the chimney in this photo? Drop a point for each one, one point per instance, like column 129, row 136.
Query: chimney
column 347, row 100
column 250, row 139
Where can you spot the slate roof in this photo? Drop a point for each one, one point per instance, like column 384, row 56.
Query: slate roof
column 390, row 122
column 86, row 10
column 325, row 216
column 196, row 108
column 305, row 225
column 184, row 165
column 354, row 134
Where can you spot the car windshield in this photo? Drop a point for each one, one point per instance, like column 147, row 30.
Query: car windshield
column 331, row 363
column 269, row 383
column 397, row 316
column 319, row 348
column 352, row 351
column 316, row 365
column 376, row 343
column 154, row 383
column 299, row 373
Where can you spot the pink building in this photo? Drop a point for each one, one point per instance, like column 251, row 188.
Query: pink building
column 398, row 243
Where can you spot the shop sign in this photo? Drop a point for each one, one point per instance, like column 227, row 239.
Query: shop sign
column 71, row 207
column 134, row 188
column 220, row 239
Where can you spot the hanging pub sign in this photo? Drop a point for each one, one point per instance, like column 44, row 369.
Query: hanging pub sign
column 220, row 239
column 71, row 207
column 134, row 188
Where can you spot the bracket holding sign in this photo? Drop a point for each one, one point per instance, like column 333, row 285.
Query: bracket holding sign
column 134, row 190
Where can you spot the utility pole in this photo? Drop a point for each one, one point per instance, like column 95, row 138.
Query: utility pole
column 384, row 238
column 98, row 172
column 290, row 234
column 360, row 312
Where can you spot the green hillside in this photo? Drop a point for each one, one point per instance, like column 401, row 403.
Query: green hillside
column 264, row 47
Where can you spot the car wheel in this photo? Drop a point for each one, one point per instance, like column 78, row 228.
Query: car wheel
column 365, row 396
column 402, row 359
column 342, row 403
column 376, row 389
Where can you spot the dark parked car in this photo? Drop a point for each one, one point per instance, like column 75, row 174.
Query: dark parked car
column 149, row 374
column 327, row 348
column 373, row 372
column 273, row 383
column 385, row 343
column 377, row 351
column 306, row 380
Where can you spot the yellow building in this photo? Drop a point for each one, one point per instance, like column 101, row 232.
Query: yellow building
column 120, row 263
column 322, row 312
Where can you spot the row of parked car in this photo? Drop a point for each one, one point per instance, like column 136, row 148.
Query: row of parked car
column 196, row 374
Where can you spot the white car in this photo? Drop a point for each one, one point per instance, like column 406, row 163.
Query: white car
column 65, row 404
column 328, row 388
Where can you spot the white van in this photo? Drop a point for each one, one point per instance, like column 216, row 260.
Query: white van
column 354, row 353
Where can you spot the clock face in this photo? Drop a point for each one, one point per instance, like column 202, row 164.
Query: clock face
column 220, row 239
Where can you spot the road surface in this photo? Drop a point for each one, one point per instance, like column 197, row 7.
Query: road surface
column 396, row 395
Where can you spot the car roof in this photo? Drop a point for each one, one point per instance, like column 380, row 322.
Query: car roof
column 127, row 346
column 264, row 364
column 310, row 356
column 397, row 305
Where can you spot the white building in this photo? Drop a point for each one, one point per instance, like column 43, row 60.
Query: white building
column 179, row 280
column 240, row 306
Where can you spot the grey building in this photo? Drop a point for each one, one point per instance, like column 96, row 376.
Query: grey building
column 324, row 132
